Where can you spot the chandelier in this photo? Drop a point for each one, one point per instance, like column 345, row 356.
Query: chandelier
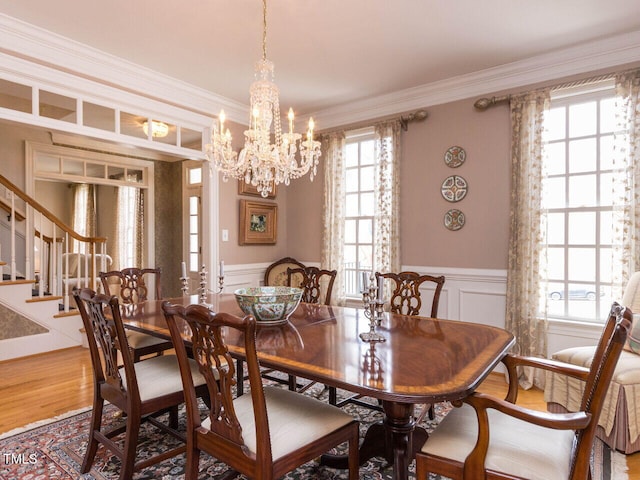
column 262, row 163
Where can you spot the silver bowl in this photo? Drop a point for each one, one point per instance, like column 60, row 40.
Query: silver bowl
column 269, row 305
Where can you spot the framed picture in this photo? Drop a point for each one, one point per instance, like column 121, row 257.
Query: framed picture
column 258, row 223
column 248, row 189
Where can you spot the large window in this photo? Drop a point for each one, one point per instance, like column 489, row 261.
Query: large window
column 578, row 205
column 360, row 170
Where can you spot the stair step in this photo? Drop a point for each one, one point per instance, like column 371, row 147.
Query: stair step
column 43, row 299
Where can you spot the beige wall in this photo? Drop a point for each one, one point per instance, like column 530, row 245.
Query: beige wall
column 482, row 242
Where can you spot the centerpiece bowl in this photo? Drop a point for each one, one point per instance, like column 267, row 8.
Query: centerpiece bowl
column 269, row 305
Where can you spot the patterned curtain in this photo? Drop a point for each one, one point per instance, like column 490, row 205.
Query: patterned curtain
column 84, row 214
column 525, row 317
column 334, row 204
column 626, row 181
column 386, row 226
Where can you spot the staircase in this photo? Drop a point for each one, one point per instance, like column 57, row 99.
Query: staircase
column 38, row 320
column 63, row 328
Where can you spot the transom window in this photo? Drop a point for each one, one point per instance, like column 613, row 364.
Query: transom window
column 578, row 205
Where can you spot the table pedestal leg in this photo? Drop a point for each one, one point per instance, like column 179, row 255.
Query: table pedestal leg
column 396, row 439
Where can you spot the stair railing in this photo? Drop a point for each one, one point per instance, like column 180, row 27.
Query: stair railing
column 45, row 243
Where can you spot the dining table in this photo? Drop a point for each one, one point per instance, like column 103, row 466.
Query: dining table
column 421, row 361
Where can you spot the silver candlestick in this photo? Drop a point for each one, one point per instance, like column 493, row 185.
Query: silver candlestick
column 373, row 310
column 202, row 291
column 185, row 286
column 220, row 283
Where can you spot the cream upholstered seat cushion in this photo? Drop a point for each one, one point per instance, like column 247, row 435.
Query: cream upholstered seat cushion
column 515, row 447
column 160, row 376
column 567, row 391
column 294, row 419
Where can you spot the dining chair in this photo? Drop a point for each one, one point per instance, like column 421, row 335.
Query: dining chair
column 142, row 390
column 130, row 285
column 491, row 438
column 316, row 283
column 262, row 434
column 406, row 298
column 276, row 273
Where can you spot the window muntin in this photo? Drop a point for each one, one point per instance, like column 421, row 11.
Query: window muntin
column 577, row 206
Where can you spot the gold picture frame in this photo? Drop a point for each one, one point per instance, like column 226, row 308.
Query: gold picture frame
column 258, row 223
column 248, row 189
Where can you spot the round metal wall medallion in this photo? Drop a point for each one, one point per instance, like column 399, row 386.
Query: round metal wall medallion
column 455, row 156
column 454, row 219
column 454, row 188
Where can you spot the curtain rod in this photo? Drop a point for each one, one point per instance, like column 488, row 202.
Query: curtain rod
column 483, row 103
column 417, row 116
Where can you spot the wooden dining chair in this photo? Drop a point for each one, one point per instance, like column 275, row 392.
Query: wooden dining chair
column 141, row 390
column 406, row 298
column 276, row 274
column 130, row 286
column 265, row 433
column 316, row 283
column 490, row 438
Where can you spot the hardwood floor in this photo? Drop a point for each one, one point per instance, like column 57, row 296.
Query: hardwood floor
column 43, row 386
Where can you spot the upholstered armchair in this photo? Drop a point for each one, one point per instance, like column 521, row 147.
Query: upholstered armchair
column 619, row 425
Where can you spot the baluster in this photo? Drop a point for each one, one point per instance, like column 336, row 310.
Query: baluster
column 13, row 236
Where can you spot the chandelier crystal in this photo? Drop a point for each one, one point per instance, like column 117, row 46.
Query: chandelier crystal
column 262, row 163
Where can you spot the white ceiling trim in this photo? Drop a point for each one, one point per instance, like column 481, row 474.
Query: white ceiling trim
column 588, row 57
column 25, row 40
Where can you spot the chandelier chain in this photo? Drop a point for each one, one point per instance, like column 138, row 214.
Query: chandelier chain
column 270, row 156
column 264, row 30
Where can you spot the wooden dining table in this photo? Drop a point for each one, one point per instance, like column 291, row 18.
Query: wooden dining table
column 422, row 361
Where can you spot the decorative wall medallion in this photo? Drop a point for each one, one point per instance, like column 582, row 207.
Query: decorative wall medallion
column 454, row 219
column 454, row 188
column 455, row 156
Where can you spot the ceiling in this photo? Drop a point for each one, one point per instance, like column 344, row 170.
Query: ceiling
column 328, row 52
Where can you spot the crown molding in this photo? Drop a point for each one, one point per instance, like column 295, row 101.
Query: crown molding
column 588, row 57
column 40, row 46
column 43, row 47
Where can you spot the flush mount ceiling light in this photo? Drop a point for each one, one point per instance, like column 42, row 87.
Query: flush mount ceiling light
column 262, row 163
column 158, row 129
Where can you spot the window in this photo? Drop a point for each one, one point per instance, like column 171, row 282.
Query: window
column 193, row 215
column 360, row 170
column 129, row 220
column 577, row 204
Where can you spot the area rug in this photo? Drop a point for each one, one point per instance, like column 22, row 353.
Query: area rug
column 54, row 451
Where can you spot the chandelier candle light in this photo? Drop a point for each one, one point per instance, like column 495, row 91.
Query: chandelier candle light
column 261, row 163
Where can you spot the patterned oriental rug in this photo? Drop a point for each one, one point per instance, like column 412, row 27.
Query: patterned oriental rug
column 54, row 449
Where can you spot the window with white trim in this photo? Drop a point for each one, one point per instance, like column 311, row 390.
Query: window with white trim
column 577, row 205
column 360, row 169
